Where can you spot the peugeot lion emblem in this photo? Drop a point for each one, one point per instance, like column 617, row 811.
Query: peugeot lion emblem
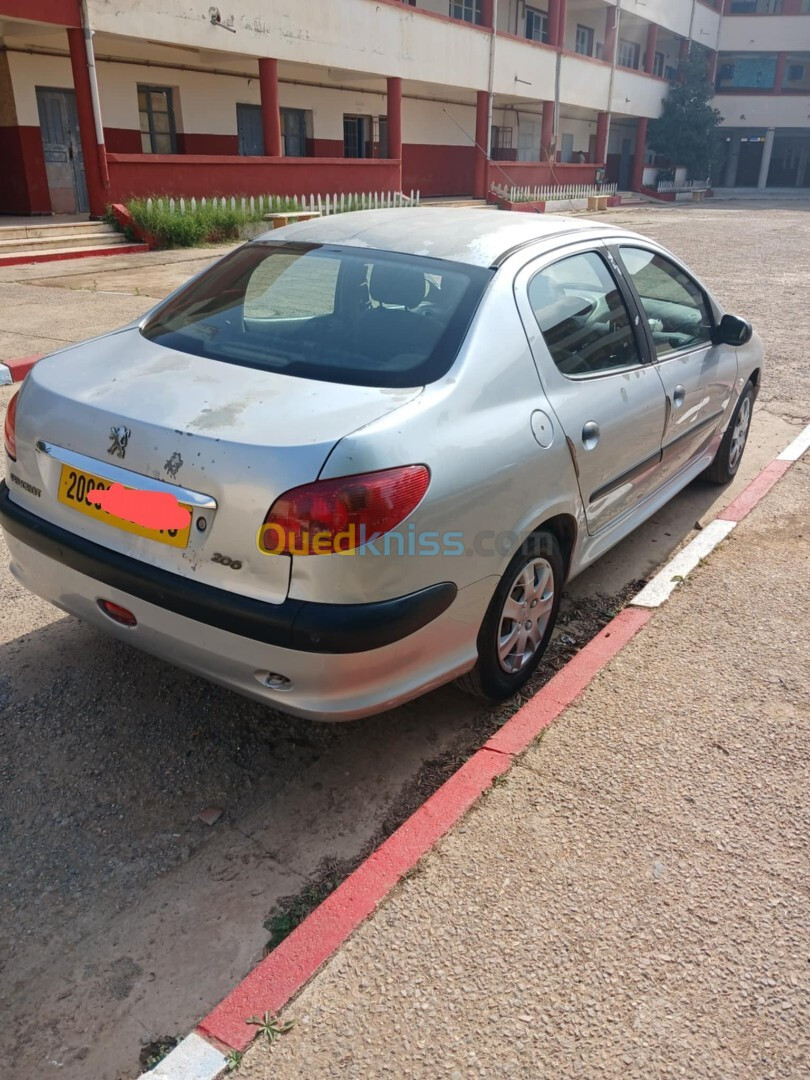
column 119, row 437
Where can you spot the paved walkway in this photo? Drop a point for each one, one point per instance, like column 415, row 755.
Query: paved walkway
column 634, row 899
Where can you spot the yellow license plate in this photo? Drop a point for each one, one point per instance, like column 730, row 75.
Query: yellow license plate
column 75, row 490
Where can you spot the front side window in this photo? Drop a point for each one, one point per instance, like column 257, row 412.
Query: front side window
column 583, row 317
column 338, row 314
column 675, row 306
column 158, row 127
column 584, row 41
column 536, row 25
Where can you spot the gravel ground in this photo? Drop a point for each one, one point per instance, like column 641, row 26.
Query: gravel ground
column 634, row 900
column 122, row 917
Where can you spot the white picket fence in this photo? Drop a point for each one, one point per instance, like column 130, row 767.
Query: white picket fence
column 667, row 187
column 254, row 207
column 553, row 192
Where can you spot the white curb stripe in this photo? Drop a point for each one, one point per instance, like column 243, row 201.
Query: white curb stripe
column 5, row 376
column 799, row 445
column 192, row 1059
column 656, row 591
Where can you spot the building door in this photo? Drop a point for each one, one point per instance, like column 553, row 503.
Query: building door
column 249, row 130
column 294, row 132
column 529, row 134
column 750, row 162
column 567, row 155
column 624, row 164
column 62, row 148
column 357, row 132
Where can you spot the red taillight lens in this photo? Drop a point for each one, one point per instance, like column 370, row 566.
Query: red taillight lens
column 9, row 437
column 332, row 516
column 117, row 613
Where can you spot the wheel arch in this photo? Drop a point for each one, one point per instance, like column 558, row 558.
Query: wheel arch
column 564, row 529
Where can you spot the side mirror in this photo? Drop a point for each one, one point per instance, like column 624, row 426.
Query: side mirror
column 735, row 331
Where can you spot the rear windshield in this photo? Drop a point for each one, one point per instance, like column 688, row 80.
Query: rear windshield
column 339, row 314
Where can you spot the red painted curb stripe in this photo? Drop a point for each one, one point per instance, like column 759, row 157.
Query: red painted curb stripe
column 20, row 367
column 546, row 705
column 756, row 490
column 274, row 981
column 56, row 256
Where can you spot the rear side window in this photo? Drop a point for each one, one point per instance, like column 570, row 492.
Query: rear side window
column 583, row 317
column 338, row 314
column 674, row 304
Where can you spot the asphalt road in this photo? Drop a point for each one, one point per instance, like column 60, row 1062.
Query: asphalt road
column 122, row 916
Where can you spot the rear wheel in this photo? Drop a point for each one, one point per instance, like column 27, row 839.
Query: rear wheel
column 729, row 455
column 519, row 620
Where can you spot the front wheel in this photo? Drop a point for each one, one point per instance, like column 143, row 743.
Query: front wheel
column 729, row 455
column 519, row 620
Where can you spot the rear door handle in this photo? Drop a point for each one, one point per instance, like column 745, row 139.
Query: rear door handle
column 678, row 396
column 590, row 435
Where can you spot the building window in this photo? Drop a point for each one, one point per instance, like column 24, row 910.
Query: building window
column 746, row 71
column 158, row 127
column 536, row 25
column 797, row 73
column 584, row 41
column 756, row 7
column 500, row 139
column 658, row 64
column 358, row 136
column 466, row 10
column 294, row 132
column 629, row 54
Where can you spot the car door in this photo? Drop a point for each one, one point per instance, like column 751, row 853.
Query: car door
column 699, row 376
column 592, row 357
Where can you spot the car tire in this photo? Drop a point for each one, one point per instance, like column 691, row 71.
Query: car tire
column 729, row 455
column 529, row 589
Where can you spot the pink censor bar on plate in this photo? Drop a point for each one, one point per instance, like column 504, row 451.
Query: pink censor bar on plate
column 149, row 509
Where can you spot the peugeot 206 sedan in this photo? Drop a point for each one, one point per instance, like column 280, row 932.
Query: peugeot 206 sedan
column 360, row 456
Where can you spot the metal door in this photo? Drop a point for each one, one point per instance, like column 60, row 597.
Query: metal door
column 62, row 148
column 624, row 164
column 612, row 413
column 567, row 154
column 250, row 131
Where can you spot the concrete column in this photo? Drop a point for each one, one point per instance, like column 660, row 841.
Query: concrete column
column 487, row 13
column 641, row 146
column 779, row 76
column 92, row 151
column 610, row 34
column 394, row 118
column 713, row 58
column 481, row 133
column 683, row 56
column 601, row 138
column 649, row 55
column 271, row 115
column 556, row 23
column 730, row 178
column 767, row 152
column 547, row 135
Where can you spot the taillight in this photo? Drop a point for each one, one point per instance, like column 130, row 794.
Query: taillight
column 333, row 516
column 9, row 437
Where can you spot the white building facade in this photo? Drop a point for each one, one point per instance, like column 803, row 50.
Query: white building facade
column 449, row 97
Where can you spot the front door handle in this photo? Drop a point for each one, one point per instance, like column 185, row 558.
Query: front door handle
column 590, row 435
column 678, row 396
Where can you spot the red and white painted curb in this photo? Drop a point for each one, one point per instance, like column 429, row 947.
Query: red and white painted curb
column 15, row 370
column 277, row 978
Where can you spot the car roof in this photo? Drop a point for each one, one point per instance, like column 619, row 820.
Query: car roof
column 466, row 235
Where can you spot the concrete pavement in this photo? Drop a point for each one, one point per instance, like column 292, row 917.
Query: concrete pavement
column 632, row 898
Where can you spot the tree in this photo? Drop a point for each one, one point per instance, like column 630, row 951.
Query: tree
column 686, row 133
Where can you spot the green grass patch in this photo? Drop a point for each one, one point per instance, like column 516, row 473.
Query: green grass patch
column 180, row 223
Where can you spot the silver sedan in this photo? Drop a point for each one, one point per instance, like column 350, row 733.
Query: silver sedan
column 360, row 456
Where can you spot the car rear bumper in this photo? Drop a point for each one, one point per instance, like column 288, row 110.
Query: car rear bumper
column 370, row 657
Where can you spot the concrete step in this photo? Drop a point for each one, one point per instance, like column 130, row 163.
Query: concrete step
column 25, row 232
column 20, row 258
column 61, row 240
column 444, row 204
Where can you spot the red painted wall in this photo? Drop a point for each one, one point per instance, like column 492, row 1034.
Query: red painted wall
column 438, row 170
column 61, row 12
column 122, row 140
column 23, row 181
column 533, row 173
column 327, row 148
column 155, row 174
column 195, row 143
